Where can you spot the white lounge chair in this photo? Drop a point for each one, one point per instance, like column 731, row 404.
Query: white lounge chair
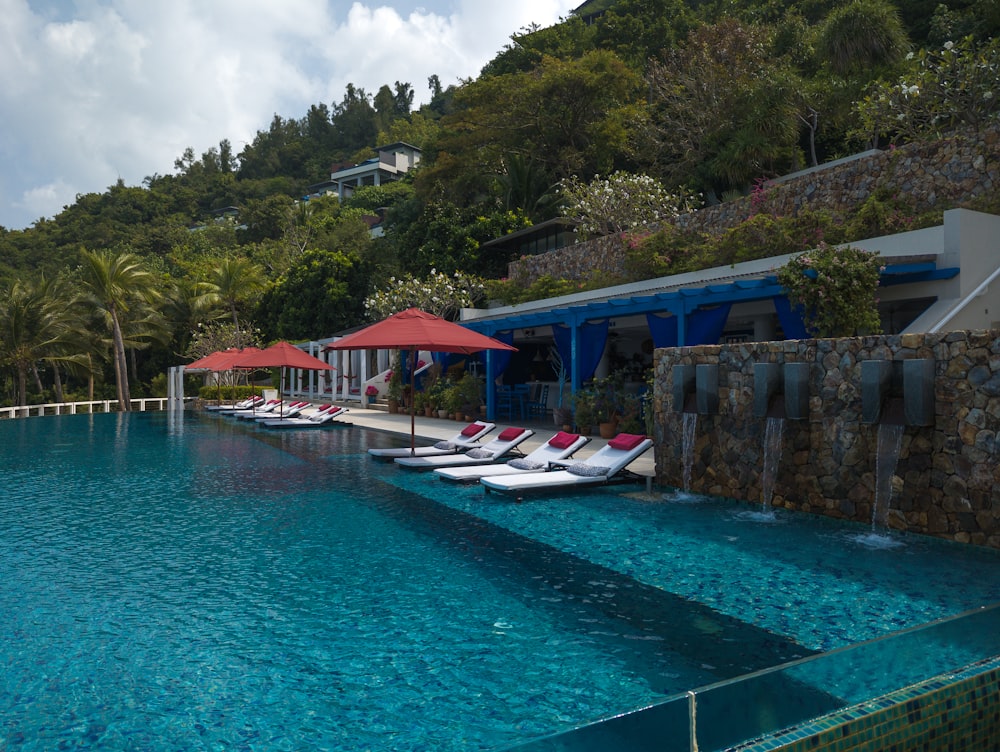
column 241, row 405
column 464, row 439
column 507, row 441
column 284, row 411
column 601, row 467
column 559, row 447
column 273, row 406
column 323, row 416
column 259, row 408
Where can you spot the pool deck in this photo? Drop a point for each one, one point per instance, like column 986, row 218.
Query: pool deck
column 429, row 430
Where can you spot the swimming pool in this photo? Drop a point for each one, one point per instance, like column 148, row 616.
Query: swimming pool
column 177, row 581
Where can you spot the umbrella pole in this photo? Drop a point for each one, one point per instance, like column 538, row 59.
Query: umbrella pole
column 413, row 393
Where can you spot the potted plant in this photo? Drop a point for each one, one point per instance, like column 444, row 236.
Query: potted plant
column 371, row 392
column 583, row 407
column 471, row 393
column 451, row 400
column 610, row 401
column 395, row 386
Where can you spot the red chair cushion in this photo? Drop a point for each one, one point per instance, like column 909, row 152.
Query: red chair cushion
column 509, row 434
column 626, row 441
column 472, row 429
column 563, row 440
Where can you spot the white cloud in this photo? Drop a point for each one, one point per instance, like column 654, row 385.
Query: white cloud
column 119, row 88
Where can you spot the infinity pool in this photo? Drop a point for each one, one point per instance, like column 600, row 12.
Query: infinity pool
column 180, row 581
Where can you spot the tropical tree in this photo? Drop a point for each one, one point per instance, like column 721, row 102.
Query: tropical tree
column 25, row 333
column 236, row 281
column 188, row 304
column 317, row 296
column 723, row 109
column 114, row 285
column 570, row 117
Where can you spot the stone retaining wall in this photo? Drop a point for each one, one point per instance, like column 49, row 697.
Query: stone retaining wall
column 937, row 173
column 947, row 481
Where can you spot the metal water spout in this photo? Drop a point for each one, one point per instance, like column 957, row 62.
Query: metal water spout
column 768, row 391
column 683, row 389
column 707, row 387
column 796, row 390
column 898, row 392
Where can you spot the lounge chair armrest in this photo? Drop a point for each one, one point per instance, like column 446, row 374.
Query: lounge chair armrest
column 562, row 463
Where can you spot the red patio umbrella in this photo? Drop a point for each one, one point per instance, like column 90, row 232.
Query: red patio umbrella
column 220, row 360
column 416, row 330
column 282, row 355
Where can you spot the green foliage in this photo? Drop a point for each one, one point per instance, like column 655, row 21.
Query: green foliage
column 441, row 235
column 315, row 297
column 836, row 289
column 885, row 214
column 227, row 392
column 572, row 116
column 512, row 291
column 723, row 109
column 371, row 198
column 940, row 90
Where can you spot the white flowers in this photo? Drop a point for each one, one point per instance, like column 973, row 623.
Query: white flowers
column 621, row 202
column 438, row 293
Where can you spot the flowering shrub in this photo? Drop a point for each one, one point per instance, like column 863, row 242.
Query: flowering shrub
column 959, row 84
column 619, row 203
column 836, row 290
column 371, row 391
column 437, row 293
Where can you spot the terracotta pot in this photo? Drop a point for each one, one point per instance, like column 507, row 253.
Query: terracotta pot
column 608, row 430
column 393, row 406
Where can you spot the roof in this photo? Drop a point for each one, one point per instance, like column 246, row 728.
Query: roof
column 676, row 298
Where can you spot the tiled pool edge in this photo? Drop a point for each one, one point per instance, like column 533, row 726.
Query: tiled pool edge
column 958, row 710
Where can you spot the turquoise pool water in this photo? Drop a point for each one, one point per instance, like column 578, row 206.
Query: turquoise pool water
column 184, row 582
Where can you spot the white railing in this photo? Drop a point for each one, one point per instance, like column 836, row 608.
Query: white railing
column 74, row 408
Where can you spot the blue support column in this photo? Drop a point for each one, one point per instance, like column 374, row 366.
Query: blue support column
column 574, row 339
column 491, row 388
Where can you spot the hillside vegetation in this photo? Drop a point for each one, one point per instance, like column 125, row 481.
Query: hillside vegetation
column 704, row 99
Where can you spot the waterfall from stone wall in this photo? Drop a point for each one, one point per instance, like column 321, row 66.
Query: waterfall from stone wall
column 689, row 424
column 890, row 441
column 774, row 433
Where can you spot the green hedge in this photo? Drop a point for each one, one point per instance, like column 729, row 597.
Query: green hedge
column 213, row 392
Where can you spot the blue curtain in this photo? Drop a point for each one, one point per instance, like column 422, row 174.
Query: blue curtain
column 663, row 329
column 501, row 358
column 790, row 318
column 705, row 325
column 593, row 337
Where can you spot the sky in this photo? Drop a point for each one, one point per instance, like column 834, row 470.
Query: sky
column 97, row 90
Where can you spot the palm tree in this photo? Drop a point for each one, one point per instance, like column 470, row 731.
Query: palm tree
column 114, row 283
column 188, row 304
column 862, row 35
column 235, row 280
column 36, row 324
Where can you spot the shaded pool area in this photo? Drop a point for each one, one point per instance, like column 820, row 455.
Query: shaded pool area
column 181, row 581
